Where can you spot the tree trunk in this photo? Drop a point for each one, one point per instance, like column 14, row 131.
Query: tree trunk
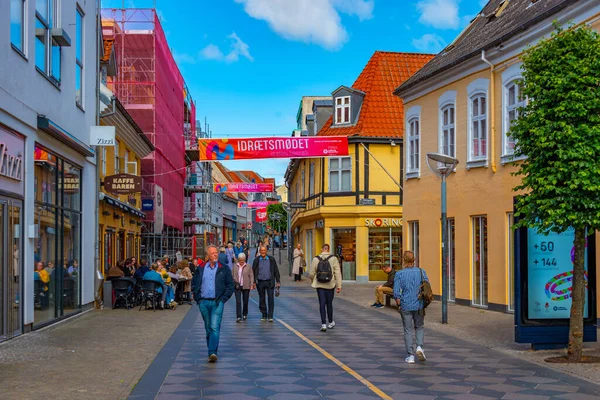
column 575, row 348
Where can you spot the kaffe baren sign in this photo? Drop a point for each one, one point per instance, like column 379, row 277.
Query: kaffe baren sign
column 272, row 147
column 123, row 184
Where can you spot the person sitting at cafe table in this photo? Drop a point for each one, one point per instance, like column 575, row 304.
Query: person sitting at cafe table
column 141, row 271
column 115, row 272
column 40, row 274
column 154, row 276
column 185, row 274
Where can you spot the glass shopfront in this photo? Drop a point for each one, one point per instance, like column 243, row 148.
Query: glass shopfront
column 385, row 248
column 57, row 245
column 344, row 247
column 10, row 267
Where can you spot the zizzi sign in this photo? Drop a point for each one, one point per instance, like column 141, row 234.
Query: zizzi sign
column 11, row 166
column 123, row 184
column 102, row 135
column 385, row 222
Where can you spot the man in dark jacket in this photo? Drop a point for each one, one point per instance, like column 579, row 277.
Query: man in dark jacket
column 386, row 288
column 212, row 286
column 266, row 276
column 141, row 271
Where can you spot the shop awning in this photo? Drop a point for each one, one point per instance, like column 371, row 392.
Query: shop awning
column 123, row 206
column 63, row 136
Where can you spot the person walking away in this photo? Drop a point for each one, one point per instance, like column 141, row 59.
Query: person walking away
column 212, row 286
column 298, row 263
column 230, row 255
column 326, row 277
column 266, row 276
column 243, row 277
column 407, row 287
column 141, row 271
column 386, row 288
column 246, row 248
column 223, row 259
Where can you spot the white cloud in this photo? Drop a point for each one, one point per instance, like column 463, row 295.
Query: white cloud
column 429, row 43
column 184, row 58
column 440, row 14
column 238, row 49
column 310, row 21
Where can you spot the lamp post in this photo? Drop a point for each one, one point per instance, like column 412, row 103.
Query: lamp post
column 443, row 169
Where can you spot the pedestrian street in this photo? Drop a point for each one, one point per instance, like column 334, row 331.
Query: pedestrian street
column 361, row 358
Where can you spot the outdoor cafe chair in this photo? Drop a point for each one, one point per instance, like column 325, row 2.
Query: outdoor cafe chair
column 123, row 288
column 150, row 290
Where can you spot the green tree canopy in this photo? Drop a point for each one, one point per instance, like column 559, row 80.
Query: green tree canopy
column 281, row 224
column 558, row 132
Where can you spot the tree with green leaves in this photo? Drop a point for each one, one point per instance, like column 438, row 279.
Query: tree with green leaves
column 280, row 224
column 558, row 132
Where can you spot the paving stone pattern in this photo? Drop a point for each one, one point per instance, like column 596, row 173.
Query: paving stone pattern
column 261, row 360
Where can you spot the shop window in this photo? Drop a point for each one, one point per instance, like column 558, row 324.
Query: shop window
column 413, row 239
column 385, row 248
column 479, row 261
column 109, row 248
column 57, row 246
column 344, row 247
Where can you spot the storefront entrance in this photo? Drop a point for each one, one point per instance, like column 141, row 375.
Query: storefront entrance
column 344, row 247
column 385, row 248
column 10, row 267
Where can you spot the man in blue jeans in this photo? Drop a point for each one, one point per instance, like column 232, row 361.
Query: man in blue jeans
column 212, row 286
column 407, row 286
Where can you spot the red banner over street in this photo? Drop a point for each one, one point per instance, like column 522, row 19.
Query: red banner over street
column 243, row 187
column 272, row 147
column 255, row 204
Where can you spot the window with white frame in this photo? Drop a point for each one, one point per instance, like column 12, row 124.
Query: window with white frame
column 514, row 101
column 311, row 179
column 126, row 161
column 79, row 57
column 478, row 122
column 478, row 142
column 413, row 238
column 448, row 138
column 116, row 149
column 340, row 174
column 17, row 24
column 103, row 160
column 413, row 145
column 342, row 110
column 302, row 185
column 47, row 50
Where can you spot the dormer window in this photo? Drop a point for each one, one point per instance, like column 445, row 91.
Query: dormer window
column 342, row 110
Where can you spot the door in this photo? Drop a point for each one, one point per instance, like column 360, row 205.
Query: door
column 479, row 262
column 451, row 261
column 10, row 268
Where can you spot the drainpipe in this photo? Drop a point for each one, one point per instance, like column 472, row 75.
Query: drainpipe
column 492, row 111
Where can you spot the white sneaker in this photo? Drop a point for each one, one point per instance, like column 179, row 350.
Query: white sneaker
column 410, row 359
column 323, row 328
column 331, row 325
column 421, row 354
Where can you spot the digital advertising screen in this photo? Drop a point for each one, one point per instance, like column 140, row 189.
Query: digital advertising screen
column 550, row 274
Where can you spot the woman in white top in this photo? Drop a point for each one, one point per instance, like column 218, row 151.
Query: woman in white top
column 243, row 277
column 298, row 264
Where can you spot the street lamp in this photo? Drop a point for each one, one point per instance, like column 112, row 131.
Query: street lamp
column 443, row 169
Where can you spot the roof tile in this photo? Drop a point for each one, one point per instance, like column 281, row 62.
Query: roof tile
column 382, row 113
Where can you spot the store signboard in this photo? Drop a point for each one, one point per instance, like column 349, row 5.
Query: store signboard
column 102, row 135
column 159, row 216
column 147, row 204
column 12, row 148
column 366, row 202
column 272, row 147
column 255, row 204
column 383, row 222
column 261, row 215
column 123, row 184
column 295, row 206
column 320, row 224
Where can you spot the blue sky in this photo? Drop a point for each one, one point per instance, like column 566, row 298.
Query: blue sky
column 249, row 62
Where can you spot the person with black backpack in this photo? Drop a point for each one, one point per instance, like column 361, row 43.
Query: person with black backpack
column 412, row 292
column 326, row 277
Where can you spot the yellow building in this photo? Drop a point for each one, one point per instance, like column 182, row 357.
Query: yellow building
column 462, row 104
column 120, row 216
column 354, row 203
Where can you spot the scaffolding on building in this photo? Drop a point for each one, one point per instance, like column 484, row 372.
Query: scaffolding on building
column 151, row 87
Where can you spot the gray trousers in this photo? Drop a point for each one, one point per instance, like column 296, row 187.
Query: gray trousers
column 412, row 321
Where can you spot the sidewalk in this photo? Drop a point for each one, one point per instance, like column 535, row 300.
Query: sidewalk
column 98, row 355
column 490, row 329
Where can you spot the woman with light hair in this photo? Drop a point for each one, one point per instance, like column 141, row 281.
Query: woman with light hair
column 230, row 255
column 243, row 277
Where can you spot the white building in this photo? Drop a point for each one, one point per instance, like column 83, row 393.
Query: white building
column 48, row 174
